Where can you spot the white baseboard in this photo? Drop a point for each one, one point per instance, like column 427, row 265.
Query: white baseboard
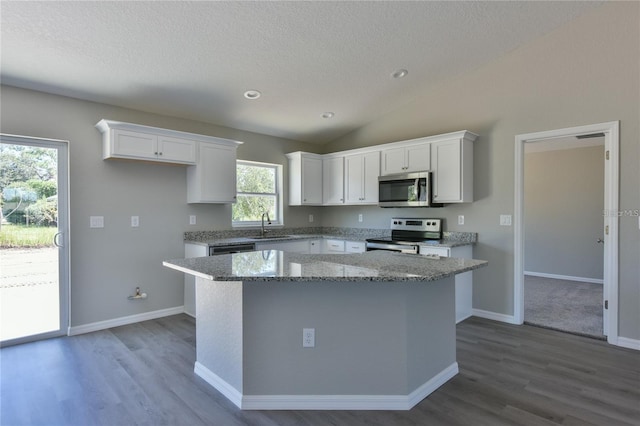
column 510, row 319
column 564, row 277
column 625, row 342
column 116, row 322
column 219, row 384
column 326, row 402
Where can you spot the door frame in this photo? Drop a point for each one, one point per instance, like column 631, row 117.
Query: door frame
column 611, row 132
column 62, row 240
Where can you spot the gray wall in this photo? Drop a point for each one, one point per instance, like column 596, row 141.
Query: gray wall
column 107, row 264
column 573, row 76
column 564, row 196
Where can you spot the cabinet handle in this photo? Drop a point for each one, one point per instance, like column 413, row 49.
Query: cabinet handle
column 159, row 153
column 155, row 153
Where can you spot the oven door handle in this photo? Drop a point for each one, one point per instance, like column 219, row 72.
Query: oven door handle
column 412, row 249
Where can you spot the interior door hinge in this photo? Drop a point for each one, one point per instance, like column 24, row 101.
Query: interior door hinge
column 606, row 304
column 607, row 155
column 606, row 230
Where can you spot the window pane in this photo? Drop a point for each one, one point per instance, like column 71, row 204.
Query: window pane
column 256, row 179
column 251, row 207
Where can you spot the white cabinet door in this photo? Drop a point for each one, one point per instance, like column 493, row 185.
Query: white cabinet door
column 393, row 161
column 419, row 158
column 333, row 246
column 371, row 169
column 355, row 247
column 305, row 178
column 213, row 179
column 361, row 178
column 176, row 150
column 413, row 158
column 452, row 166
column 463, row 282
column 354, row 173
column 289, row 246
column 127, row 144
column 333, row 180
column 311, row 180
column 315, row 246
column 145, row 146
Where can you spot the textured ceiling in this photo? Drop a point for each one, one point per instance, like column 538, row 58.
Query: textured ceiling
column 196, row 59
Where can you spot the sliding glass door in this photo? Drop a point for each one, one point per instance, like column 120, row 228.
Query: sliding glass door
column 34, row 239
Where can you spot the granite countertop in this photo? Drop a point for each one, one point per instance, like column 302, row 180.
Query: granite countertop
column 276, row 265
column 218, row 242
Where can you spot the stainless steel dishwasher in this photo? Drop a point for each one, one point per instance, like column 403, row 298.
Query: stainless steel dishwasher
column 228, row 249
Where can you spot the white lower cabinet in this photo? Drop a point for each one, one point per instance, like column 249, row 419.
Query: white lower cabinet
column 464, row 281
column 296, row 246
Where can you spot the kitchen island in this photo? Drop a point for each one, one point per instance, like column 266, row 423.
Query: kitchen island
column 384, row 326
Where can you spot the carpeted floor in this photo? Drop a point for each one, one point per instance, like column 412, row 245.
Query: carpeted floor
column 571, row 306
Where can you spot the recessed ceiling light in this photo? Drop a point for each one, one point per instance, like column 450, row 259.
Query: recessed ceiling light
column 399, row 73
column 327, row 114
column 252, row 94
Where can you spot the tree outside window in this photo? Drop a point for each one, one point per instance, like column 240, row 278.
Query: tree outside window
column 258, row 186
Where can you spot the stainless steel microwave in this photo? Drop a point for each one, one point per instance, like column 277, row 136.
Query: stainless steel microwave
column 406, row 190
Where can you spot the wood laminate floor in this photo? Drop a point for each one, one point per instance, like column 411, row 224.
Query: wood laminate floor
column 142, row 374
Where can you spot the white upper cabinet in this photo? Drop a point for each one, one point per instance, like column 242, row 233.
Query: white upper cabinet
column 211, row 161
column 305, row 179
column 136, row 142
column 361, row 178
column 213, row 178
column 452, row 166
column 412, row 158
column 333, row 180
column 351, row 177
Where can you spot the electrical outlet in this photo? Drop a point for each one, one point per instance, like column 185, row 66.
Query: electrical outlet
column 96, row 222
column 308, row 337
column 460, row 220
column 135, row 221
column 310, row 218
column 192, row 219
column 360, row 217
column 505, row 220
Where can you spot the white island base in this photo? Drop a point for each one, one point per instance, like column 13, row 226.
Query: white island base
column 378, row 345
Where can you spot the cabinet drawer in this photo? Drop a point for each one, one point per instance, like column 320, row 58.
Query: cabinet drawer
column 440, row 251
column 355, row 247
column 334, row 246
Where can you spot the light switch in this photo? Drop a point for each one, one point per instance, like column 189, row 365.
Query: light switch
column 135, row 221
column 96, row 221
column 505, row 220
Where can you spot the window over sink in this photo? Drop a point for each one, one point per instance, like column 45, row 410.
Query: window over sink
column 259, row 187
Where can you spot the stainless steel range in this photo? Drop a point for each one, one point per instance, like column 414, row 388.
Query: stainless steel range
column 406, row 233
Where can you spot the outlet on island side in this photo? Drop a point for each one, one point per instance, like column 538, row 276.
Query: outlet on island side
column 308, row 337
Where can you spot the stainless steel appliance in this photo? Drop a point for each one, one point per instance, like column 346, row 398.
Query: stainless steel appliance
column 235, row 248
column 406, row 190
column 406, row 233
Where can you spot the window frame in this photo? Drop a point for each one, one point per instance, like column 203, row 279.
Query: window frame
column 276, row 221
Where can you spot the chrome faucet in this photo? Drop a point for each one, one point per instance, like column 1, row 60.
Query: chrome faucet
column 262, row 230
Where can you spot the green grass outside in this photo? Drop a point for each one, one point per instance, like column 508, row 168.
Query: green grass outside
column 14, row 236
